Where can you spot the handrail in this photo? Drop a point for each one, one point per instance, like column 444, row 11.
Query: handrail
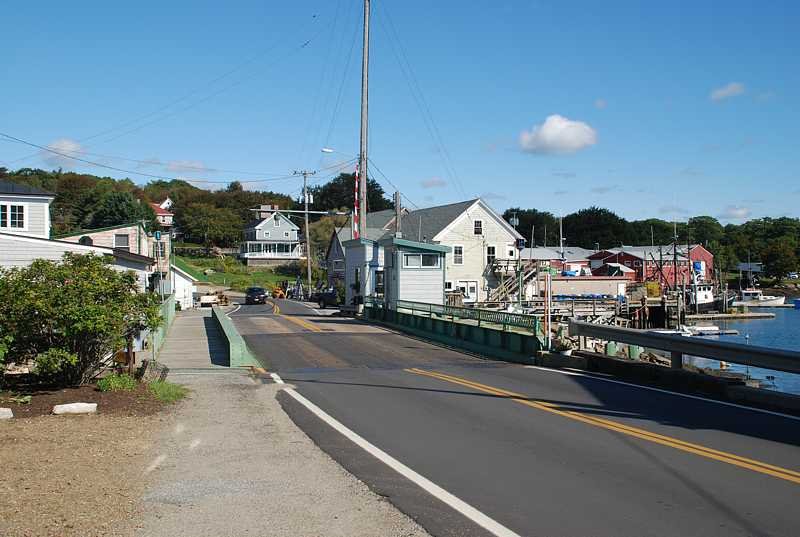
column 503, row 318
column 765, row 357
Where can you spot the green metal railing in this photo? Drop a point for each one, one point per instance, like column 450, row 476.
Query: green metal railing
column 481, row 316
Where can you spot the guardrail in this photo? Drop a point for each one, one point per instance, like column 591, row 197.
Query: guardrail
column 239, row 354
column 517, row 320
column 767, row 358
column 167, row 311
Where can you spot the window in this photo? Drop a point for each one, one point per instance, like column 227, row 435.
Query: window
column 16, row 216
column 266, row 234
column 121, row 241
column 159, row 250
column 637, row 263
column 458, row 255
column 627, row 263
column 478, row 227
column 448, row 286
column 490, row 255
column 510, row 253
column 12, row 216
column 285, row 234
column 379, row 282
column 421, row 260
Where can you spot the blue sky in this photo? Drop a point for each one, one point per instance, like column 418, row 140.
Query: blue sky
column 666, row 110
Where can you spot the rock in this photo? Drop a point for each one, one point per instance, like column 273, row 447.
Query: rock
column 75, row 408
column 6, row 414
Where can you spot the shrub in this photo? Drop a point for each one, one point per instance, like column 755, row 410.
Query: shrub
column 167, row 392
column 68, row 316
column 116, row 383
column 55, row 363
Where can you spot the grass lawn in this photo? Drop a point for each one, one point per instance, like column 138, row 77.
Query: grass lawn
column 232, row 273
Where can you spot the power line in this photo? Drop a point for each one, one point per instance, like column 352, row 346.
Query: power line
column 392, row 184
column 143, row 174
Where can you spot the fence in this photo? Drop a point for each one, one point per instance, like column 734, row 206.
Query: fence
column 456, row 313
column 677, row 346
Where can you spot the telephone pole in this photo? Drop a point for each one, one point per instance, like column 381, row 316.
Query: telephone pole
column 362, row 155
column 305, row 174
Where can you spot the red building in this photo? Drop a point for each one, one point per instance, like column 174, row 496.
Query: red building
column 657, row 263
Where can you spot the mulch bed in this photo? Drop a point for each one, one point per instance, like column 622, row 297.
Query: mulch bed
column 137, row 402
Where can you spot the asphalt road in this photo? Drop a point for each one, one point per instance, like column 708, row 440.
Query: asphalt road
column 542, row 452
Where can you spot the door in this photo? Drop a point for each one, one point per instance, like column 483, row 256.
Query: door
column 469, row 288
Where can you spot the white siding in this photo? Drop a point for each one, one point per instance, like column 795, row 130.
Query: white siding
column 37, row 215
column 474, row 265
column 421, row 285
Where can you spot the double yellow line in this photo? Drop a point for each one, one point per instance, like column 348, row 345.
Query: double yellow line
column 296, row 320
column 729, row 458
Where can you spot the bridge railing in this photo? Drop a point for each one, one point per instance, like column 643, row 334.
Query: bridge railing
column 502, row 319
column 678, row 346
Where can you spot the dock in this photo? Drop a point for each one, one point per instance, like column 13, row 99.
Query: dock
column 720, row 316
column 763, row 306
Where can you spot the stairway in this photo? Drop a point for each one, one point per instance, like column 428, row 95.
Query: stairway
column 510, row 285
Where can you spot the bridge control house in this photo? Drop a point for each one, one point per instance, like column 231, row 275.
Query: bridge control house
column 395, row 269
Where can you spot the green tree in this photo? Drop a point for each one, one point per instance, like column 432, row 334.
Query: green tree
column 120, row 208
column 594, row 225
column 536, row 221
column 779, row 257
column 209, row 225
column 339, row 193
column 705, row 230
column 69, row 315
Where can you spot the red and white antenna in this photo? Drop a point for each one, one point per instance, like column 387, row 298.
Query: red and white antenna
column 355, row 218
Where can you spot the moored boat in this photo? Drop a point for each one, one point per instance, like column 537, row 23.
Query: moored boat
column 756, row 297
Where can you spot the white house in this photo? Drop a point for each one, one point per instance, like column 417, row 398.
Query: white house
column 271, row 239
column 394, row 269
column 183, row 286
column 24, row 210
column 483, row 246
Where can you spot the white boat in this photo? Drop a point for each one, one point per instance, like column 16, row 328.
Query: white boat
column 755, row 297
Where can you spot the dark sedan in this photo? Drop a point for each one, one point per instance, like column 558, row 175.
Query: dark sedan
column 256, row 295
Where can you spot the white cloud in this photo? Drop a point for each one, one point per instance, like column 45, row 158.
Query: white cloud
column 605, row 189
column 726, row 92
column 558, row 135
column 433, row 182
column 186, row 166
column 600, row 104
column 735, row 212
column 64, row 146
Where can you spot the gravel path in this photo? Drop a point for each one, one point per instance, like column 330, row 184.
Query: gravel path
column 232, row 463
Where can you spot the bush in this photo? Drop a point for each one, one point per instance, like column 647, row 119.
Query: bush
column 116, row 383
column 55, row 363
column 68, row 316
column 167, row 392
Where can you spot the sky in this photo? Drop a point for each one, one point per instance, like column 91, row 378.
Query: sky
column 664, row 110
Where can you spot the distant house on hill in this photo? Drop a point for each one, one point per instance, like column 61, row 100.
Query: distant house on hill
column 480, row 243
column 270, row 239
column 163, row 216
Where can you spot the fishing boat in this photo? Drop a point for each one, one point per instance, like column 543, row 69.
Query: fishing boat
column 756, row 297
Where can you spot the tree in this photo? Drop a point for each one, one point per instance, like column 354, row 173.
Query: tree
column 339, row 193
column 594, row 225
column 210, row 225
column 705, row 230
column 121, row 208
column 779, row 258
column 68, row 316
column 536, row 221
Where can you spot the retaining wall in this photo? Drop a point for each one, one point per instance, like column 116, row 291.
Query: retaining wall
column 238, row 352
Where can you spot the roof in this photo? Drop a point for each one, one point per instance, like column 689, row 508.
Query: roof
column 116, row 252
column 622, row 268
column 159, row 210
column 376, row 223
column 97, row 230
column 650, row 252
column 183, row 273
column 405, row 243
column 571, row 253
column 257, row 222
column 426, row 223
column 17, row 189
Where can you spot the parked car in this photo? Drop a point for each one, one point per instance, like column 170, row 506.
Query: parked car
column 256, row 295
column 325, row 297
column 793, row 276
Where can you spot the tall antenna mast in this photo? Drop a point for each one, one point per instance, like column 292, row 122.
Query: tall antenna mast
column 362, row 155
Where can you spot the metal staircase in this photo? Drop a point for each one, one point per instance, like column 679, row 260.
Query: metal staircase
column 510, row 285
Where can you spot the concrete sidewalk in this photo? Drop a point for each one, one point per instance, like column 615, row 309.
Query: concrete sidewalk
column 230, row 462
column 194, row 341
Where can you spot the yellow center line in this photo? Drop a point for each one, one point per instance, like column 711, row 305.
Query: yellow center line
column 729, row 458
column 296, row 320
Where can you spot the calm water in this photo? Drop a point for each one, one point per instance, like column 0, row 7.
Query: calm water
column 782, row 332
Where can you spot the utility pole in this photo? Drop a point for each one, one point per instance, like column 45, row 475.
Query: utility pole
column 305, row 174
column 362, row 155
column 398, row 213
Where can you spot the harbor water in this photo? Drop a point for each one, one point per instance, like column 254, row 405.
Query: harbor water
column 782, row 332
